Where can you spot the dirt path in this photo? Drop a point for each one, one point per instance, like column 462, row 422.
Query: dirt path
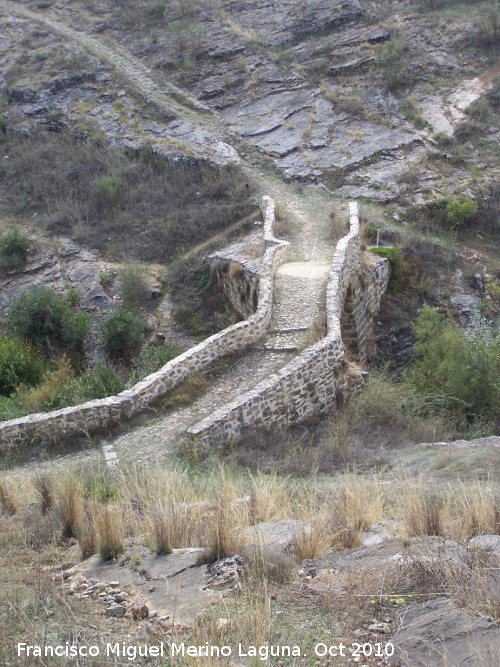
column 299, row 286
column 169, row 97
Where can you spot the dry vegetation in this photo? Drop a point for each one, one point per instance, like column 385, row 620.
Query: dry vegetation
column 131, row 205
column 107, row 511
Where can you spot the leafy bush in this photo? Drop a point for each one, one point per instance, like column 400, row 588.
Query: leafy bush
column 45, row 318
column 122, row 332
column 97, row 382
column 9, row 409
column 133, row 289
column 463, row 365
column 392, row 61
column 20, row 363
column 14, row 248
column 459, row 212
column 52, row 393
column 152, row 359
column 108, row 191
column 395, row 257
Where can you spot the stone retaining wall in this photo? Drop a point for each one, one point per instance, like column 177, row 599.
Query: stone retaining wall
column 309, row 383
column 100, row 414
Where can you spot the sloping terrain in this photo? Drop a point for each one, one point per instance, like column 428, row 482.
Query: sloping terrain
column 313, row 103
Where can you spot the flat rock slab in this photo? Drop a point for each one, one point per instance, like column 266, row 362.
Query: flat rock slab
column 70, row 264
column 275, row 535
column 173, row 585
column 490, row 543
column 438, row 634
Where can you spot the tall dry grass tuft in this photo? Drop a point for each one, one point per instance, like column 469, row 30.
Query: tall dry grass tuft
column 310, row 540
column 44, row 486
column 351, row 509
column 475, row 511
column 225, row 529
column 272, row 497
column 108, row 521
column 160, row 528
column 88, row 535
column 70, row 506
column 424, row 510
column 8, row 497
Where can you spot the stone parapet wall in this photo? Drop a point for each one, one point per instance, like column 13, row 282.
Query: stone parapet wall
column 101, row 414
column 309, row 384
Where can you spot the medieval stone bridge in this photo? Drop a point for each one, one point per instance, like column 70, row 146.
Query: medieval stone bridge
column 294, row 350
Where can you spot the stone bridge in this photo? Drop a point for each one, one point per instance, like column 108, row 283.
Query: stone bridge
column 280, row 377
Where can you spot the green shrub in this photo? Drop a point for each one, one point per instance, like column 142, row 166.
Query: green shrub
column 55, row 390
column 152, row 359
column 45, row 318
column 393, row 64
column 134, row 291
column 9, row 409
column 20, row 363
column 459, row 212
column 157, row 11
column 97, row 382
column 108, row 191
column 122, row 333
column 395, row 257
column 463, row 365
column 14, row 248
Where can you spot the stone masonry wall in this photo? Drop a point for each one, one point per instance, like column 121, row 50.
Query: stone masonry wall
column 309, row 383
column 239, row 284
column 100, row 414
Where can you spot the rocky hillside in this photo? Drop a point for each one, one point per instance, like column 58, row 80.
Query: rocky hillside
column 135, row 137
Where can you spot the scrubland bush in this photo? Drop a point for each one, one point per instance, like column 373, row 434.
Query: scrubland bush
column 134, row 290
column 122, row 333
column 152, row 359
column 14, row 246
column 20, row 363
column 45, row 318
column 461, row 365
column 108, row 191
column 459, row 212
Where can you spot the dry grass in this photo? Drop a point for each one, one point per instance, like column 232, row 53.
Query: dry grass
column 469, row 577
column 179, row 507
column 424, row 509
column 146, row 209
column 70, row 506
column 8, row 497
column 475, row 511
column 108, row 521
column 282, row 225
column 44, row 486
column 352, row 508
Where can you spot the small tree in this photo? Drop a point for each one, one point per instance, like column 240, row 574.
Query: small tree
column 463, row 365
column 122, row 333
column 459, row 212
column 14, row 248
column 45, row 318
column 20, row 363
